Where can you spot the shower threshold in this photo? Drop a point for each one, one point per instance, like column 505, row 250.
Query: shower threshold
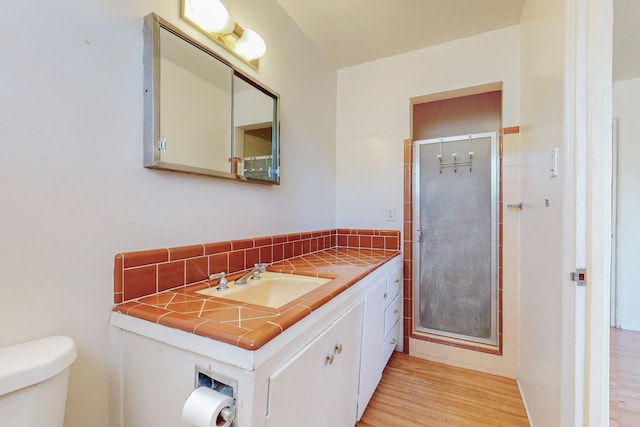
column 447, row 338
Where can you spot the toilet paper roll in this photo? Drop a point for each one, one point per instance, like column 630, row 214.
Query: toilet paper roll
column 208, row 408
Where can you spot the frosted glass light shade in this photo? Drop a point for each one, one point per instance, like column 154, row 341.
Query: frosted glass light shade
column 210, row 15
column 250, row 45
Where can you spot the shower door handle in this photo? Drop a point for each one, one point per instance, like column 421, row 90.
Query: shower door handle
column 419, row 235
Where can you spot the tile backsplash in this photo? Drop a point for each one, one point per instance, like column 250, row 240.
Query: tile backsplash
column 141, row 273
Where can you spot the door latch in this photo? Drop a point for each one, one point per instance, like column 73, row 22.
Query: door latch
column 579, row 276
column 162, row 144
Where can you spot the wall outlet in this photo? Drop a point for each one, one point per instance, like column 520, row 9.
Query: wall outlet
column 391, row 214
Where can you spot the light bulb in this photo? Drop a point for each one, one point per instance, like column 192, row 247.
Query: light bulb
column 210, row 15
column 250, row 45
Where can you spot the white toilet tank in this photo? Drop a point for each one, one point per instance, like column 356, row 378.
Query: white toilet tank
column 33, row 382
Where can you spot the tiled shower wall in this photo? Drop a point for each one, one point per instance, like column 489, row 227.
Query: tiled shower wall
column 506, row 363
column 141, row 273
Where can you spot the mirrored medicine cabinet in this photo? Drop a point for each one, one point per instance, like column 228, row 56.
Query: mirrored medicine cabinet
column 202, row 115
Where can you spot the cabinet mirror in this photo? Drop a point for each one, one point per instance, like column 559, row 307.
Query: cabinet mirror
column 202, row 115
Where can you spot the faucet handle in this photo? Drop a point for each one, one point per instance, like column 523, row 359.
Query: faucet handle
column 220, row 276
column 222, row 284
column 257, row 269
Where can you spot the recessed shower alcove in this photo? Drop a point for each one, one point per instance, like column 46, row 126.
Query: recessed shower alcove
column 454, row 191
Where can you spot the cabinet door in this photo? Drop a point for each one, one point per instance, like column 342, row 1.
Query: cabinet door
column 319, row 386
column 371, row 358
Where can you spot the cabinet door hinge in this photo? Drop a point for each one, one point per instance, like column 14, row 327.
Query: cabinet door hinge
column 579, row 276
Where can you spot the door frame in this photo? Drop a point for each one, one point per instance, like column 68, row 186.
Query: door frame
column 589, row 82
column 614, row 221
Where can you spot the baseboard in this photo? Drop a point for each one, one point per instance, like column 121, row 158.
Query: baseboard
column 524, row 401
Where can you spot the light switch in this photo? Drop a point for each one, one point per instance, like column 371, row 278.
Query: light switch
column 391, row 214
column 554, row 162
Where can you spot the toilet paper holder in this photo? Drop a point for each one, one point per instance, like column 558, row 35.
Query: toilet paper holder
column 211, row 388
column 215, row 381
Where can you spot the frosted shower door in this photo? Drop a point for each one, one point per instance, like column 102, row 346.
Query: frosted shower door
column 456, row 286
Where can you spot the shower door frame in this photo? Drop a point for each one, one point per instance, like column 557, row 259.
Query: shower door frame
column 493, row 342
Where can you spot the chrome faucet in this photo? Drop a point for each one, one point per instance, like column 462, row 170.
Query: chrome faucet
column 254, row 273
column 222, row 284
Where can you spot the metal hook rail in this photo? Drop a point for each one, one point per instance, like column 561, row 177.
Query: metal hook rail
column 455, row 164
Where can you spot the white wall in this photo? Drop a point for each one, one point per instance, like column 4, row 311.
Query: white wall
column 626, row 108
column 373, row 121
column 374, row 111
column 545, row 298
column 73, row 190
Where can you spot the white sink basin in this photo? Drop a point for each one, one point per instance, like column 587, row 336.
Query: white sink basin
column 271, row 290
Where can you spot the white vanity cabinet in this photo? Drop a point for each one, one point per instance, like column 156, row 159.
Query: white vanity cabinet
column 321, row 371
column 380, row 333
column 318, row 387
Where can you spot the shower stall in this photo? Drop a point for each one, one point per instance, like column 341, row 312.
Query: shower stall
column 455, row 246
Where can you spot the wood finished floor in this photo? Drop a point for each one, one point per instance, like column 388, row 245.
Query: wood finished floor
column 624, row 378
column 415, row 392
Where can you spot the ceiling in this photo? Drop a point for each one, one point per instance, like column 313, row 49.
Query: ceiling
column 351, row 32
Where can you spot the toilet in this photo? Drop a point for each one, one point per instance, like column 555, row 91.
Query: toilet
column 33, row 381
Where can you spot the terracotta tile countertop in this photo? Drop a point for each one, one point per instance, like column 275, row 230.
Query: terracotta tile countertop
column 251, row 326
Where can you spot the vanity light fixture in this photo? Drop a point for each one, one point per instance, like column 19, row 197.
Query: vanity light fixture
column 212, row 19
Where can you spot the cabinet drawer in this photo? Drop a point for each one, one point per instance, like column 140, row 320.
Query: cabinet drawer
column 392, row 314
column 390, row 343
column 394, row 284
